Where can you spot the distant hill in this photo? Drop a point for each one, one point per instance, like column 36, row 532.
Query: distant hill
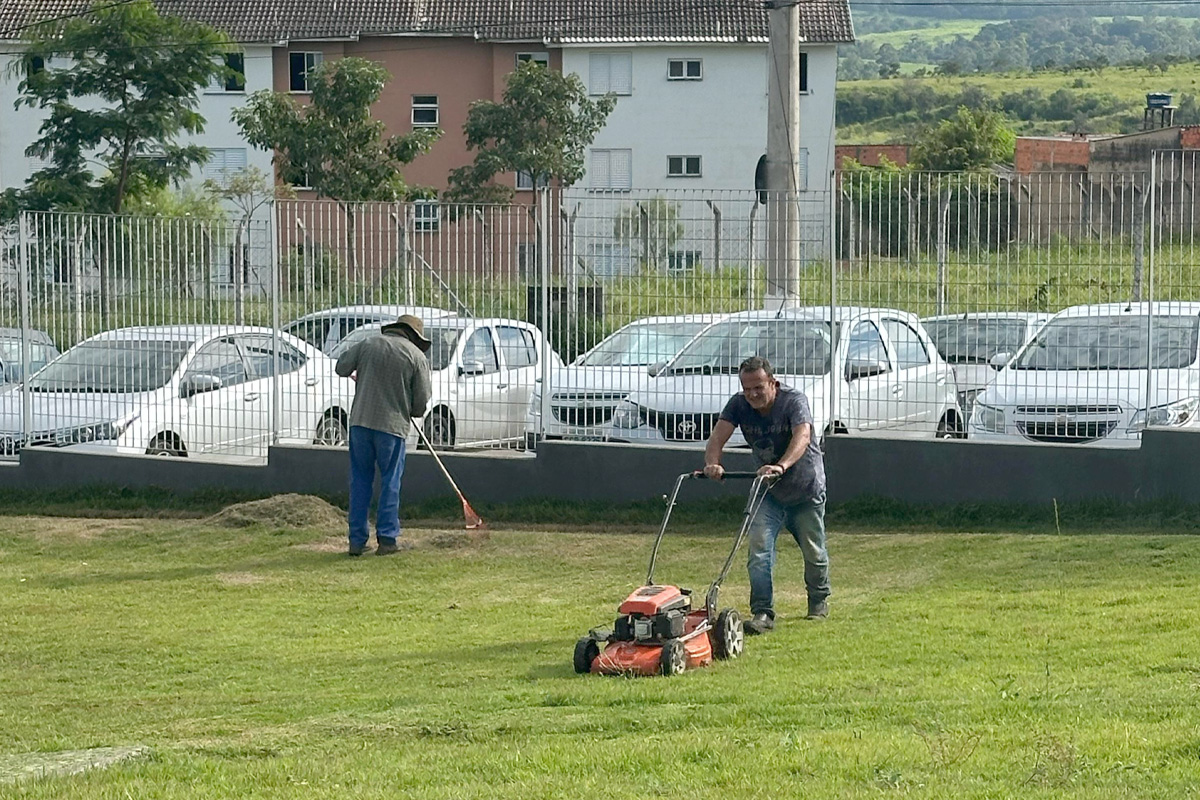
column 1022, row 9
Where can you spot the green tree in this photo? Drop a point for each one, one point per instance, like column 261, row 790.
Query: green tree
column 333, row 141
column 542, row 127
column 145, row 71
column 971, row 140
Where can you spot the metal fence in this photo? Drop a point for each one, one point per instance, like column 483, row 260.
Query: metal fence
column 900, row 302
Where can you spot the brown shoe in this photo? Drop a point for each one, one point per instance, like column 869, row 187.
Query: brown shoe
column 387, row 549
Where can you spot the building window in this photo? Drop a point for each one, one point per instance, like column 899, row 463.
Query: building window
column 612, row 170
column 296, row 177
column 232, row 77
column 34, row 65
column 684, row 69
column 425, row 111
column 802, row 165
column 681, row 261
column 527, row 259
column 223, row 163
column 425, row 216
column 537, row 58
column 611, row 72
column 300, row 65
column 804, row 73
column 683, row 166
column 525, row 182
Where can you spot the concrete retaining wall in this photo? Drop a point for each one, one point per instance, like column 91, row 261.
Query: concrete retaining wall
column 1166, row 466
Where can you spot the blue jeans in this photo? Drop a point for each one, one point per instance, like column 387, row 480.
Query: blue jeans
column 369, row 449
column 806, row 522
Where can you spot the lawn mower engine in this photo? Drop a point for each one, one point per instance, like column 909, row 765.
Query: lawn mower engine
column 658, row 632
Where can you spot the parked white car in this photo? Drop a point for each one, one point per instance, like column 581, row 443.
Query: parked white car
column 324, row 329
column 42, row 351
column 886, row 377
column 584, row 395
column 968, row 343
column 1083, row 378
column 483, row 371
column 187, row 390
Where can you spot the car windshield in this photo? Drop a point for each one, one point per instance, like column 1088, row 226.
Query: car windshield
column 975, row 341
column 639, row 345
column 1091, row 343
column 112, row 365
column 794, row 347
column 439, row 354
column 10, row 350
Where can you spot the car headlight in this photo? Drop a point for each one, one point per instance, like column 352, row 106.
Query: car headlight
column 1171, row 415
column 627, row 415
column 97, row 432
column 988, row 418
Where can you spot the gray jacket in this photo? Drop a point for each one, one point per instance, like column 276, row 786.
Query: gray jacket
column 393, row 382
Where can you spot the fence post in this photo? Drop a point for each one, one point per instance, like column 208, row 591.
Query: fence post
column 23, row 285
column 543, row 253
column 834, row 337
column 276, row 291
column 1153, row 197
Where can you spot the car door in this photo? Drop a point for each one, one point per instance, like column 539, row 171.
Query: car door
column 921, row 382
column 519, row 352
column 481, row 408
column 871, row 404
column 217, row 419
column 259, row 355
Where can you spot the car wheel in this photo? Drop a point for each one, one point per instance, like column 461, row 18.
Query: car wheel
column 949, row 428
column 331, row 430
column 439, row 428
column 729, row 637
column 586, row 651
column 673, row 660
column 167, row 445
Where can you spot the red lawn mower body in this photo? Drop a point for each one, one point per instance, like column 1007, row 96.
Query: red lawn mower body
column 658, row 631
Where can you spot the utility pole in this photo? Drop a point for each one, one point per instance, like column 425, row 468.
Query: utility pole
column 783, row 153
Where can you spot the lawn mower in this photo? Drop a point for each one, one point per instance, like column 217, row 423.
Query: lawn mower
column 658, row 631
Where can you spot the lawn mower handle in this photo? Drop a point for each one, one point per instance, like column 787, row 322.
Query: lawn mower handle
column 748, row 475
column 757, row 493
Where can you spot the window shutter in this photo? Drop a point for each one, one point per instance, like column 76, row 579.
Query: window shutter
column 802, row 168
column 601, row 172
column 621, row 73
column 599, row 82
column 621, row 166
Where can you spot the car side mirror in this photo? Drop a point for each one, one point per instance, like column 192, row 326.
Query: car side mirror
column 655, row 369
column 471, row 368
column 1000, row 360
column 864, row 368
column 198, row 384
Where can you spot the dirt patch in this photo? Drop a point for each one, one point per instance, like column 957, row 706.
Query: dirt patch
column 411, row 540
column 29, row 766
column 58, row 528
column 454, row 540
column 295, row 511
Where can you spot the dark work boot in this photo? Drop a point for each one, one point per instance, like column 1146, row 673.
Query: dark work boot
column 758, row 624
column 387, row 548
column 818, row 609
column 356, row 550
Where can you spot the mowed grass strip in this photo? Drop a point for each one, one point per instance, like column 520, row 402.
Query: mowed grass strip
column 262, row 663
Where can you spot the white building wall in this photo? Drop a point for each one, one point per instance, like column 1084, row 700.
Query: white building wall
column 722, row 117
column 19, row 128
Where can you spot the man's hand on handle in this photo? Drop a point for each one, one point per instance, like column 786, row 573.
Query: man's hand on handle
column 714, row 472
column 770, row 471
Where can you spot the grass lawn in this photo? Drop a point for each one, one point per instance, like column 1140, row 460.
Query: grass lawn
column 262, row 663
column 938, row 31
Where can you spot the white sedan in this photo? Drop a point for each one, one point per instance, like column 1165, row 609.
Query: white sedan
column 186, row 390
column 875, row 370
column 483, row 371
column 1097, row 375
column 584, row 395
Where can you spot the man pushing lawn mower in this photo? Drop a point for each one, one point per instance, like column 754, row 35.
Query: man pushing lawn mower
column 777, row 423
